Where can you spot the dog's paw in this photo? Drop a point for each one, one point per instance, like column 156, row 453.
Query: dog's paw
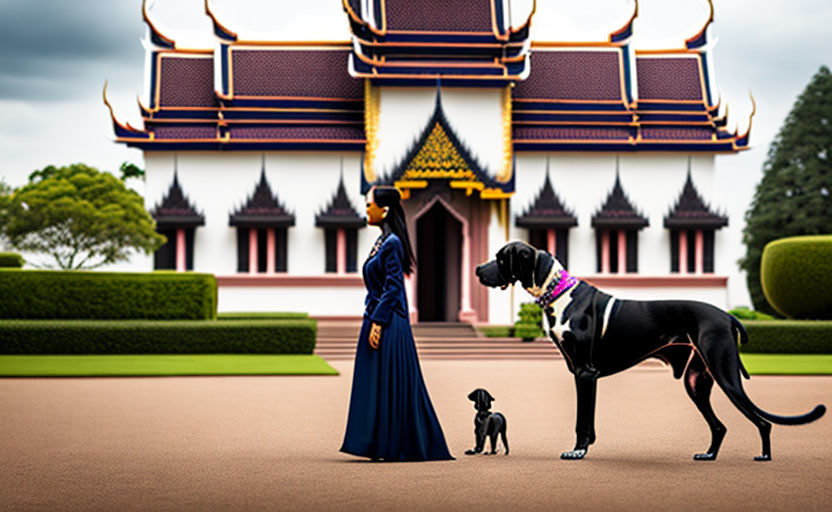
column 762, row 458
column 471, row 452
column 573, row 455
column 704, row 456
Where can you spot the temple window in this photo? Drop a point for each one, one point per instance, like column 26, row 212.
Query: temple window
column 177, row 220
column 617, row 225
column 262, row 231
column 548, row 223
column 692, row 227
column 340, row 223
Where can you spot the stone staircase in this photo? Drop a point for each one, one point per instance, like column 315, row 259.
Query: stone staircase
column 453, row 341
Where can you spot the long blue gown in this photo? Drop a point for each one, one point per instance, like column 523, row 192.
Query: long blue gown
column 391, row 416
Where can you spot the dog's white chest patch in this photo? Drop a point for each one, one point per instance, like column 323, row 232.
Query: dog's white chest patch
column 560, row 325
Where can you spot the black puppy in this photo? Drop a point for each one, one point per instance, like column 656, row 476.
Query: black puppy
column 486, row 423
column 600, row 335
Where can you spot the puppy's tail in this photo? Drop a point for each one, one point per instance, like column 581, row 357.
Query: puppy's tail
column 742, row 339
column 802, row 419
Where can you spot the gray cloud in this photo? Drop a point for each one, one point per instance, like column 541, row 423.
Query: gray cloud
column 50, row 49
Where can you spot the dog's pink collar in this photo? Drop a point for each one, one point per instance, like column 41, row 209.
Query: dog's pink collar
column 558, row 287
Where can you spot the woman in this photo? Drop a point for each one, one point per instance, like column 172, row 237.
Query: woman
column 391, row 416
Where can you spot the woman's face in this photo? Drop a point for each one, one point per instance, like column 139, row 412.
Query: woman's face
column 375, row 213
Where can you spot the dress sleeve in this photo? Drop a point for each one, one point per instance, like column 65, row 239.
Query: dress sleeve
column 391, row 257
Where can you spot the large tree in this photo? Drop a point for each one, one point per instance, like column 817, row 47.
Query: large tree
column 80, row 216
column 795, row 194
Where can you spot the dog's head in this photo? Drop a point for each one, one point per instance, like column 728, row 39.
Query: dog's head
column 516, row 261
column 482, row 399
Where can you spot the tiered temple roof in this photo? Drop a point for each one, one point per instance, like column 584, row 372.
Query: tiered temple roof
column 618, row 212
column 263, row 209
column 691, row 212
column 465, row 42
column 271, row 95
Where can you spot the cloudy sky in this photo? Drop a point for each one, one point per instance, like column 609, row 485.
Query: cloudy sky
column 56, row 54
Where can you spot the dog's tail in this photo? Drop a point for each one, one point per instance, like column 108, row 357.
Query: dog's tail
column 742, row 339
column 809, row 417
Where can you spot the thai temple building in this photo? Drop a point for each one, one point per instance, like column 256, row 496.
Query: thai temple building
column 258, row 155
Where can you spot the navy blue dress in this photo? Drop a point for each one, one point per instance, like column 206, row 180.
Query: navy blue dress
column 391, row 416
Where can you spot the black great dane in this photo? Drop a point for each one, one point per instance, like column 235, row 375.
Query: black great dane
column 600, row 335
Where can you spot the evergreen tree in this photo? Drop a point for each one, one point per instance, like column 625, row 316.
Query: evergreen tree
column 794, row 196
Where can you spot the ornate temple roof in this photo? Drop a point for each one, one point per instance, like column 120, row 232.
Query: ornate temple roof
column 340, row 212
column 262, row 209
column 175, row 211
column 568, row 96
column 465, row 42
column 547, row 211
column 438, row 154
column 617, row 212
column 691, row 212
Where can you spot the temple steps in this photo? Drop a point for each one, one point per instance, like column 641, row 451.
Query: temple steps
column 451, row 341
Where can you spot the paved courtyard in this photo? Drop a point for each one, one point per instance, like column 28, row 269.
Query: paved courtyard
column 271, row 443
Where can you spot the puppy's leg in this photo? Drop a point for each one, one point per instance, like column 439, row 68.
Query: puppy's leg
column 503, row 435
column 586, row 380
column 494, row 442
column 698, row 383
column 479, row 438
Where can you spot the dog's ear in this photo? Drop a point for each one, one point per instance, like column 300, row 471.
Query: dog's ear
column 489, row 395
column 472, row 396
column 524, row 264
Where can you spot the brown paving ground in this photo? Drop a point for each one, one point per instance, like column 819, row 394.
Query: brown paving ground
column 272, row 443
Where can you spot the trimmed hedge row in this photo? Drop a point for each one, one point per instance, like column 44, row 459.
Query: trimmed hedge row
column 52, row 294
column 157, row 337
column 788, row 337
column 11, row 260
column 277, row 315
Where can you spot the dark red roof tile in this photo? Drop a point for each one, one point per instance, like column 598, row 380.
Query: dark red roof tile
column 568, row 75
column 439, row 15
column 304, row 73
column 669, row 78
column 187, row 82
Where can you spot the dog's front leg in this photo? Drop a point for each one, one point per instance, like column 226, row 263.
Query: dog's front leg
column 586, row 380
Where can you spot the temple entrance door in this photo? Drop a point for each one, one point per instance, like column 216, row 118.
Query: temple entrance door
column 438, row 259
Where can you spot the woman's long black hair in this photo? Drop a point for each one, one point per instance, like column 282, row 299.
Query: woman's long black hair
column 396, row 221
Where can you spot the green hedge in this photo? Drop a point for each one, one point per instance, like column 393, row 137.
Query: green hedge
column 262, row 316
column 157, row 337
column 788, row 337
column 796, row 274
column 71, row 295
column 11, row 260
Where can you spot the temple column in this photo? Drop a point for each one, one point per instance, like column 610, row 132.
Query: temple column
column 700, row 251
column 683, row 251
column 252, row 251
column 270, row 250
column 551, row 241
column 341, row 252
column 622, row 251
column 605, row 251
column 181, row 265
column 466, row 314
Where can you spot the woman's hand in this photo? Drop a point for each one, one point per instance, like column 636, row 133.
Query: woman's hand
column 375, row 335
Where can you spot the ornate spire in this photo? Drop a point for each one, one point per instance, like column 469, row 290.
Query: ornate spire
column 617, row 211
column 175, row 210
column 691, row 212
column 340, row 212
column 263, row 209
column 547, row 211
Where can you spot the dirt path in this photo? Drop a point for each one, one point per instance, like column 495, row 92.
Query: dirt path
column 272, row 443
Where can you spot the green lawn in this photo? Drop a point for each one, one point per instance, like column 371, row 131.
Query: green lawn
column 162, row 365
column 788, row 364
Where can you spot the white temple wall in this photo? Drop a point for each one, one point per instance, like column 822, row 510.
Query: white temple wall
column 217, row 184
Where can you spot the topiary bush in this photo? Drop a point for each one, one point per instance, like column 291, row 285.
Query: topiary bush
column 530, row 323
column 744, row 313
column 796, row 274
column 788, row 337
column 10, row 260
column 75, row 295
